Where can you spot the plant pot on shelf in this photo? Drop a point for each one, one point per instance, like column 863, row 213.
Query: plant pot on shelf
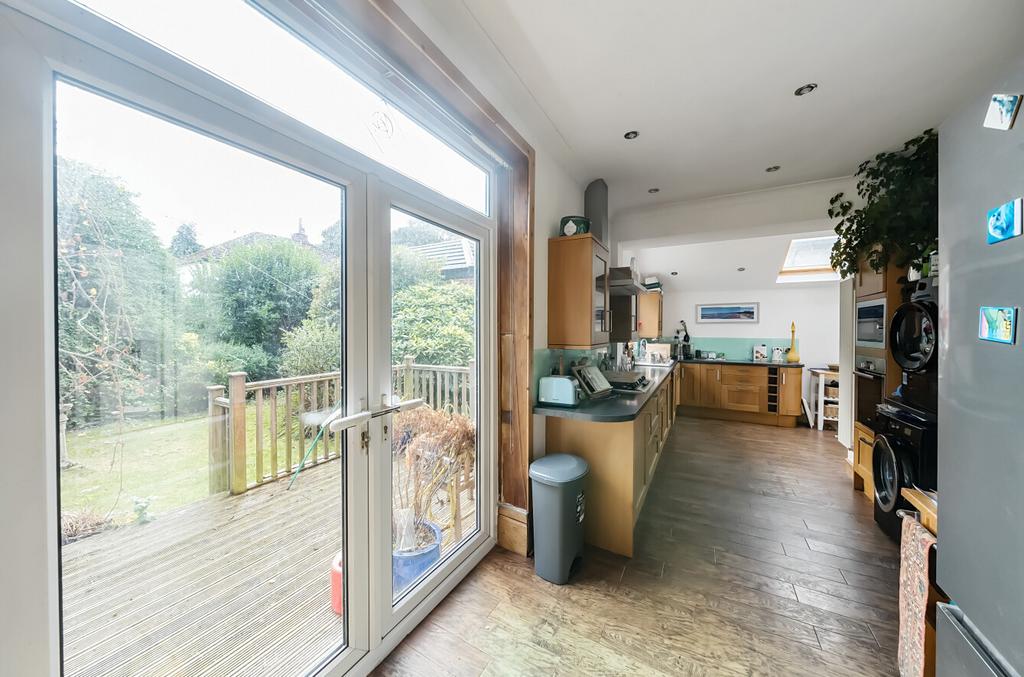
column 408, row 565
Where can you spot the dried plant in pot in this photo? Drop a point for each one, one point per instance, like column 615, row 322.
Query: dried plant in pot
column 431, row 450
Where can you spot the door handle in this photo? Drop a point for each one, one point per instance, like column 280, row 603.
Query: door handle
column 338, row 423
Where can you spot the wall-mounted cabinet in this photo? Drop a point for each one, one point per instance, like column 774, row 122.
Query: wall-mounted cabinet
column 623, row 318
column 649, row 315
column 578, row 294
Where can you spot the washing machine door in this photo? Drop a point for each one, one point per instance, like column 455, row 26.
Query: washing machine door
column 913, row 335
column 891, row 470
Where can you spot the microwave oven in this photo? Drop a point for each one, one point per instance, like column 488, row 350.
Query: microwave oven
column 871, row 321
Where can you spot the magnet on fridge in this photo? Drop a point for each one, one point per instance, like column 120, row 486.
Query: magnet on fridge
column 1004, row 221
column 998, row 324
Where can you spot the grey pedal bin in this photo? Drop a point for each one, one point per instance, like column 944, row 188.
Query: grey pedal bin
column 559, row 507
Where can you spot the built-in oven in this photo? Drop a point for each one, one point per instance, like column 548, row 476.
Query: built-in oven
column 871, row 321
column 869, row 388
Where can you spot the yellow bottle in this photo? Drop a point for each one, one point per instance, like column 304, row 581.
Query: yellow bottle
column 792, row 355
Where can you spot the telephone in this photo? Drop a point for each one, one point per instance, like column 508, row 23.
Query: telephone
column 592, row 380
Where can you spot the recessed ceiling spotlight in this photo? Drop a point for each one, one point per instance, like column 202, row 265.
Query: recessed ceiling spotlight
column 652, row 191
column 630, row 135
column 773, row 168
column 674, row 272
column 806, row 89
column 740, row 269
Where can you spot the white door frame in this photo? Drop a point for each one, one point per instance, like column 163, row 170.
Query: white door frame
column 42, row 39
column 62, row 56
column 412, row 199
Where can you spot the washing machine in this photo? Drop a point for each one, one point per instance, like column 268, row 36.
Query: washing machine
column 905, row 455
column 914, row 346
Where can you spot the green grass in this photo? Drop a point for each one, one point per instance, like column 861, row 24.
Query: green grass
column 165, row 462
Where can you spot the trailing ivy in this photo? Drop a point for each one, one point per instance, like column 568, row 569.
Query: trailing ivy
column 899, row 218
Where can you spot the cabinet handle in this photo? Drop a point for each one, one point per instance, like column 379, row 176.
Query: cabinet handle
column 608, row 319
column 718, row 374
column 783, row 378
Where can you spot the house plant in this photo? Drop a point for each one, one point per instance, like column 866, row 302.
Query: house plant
column 431, row 449
column 898, row 218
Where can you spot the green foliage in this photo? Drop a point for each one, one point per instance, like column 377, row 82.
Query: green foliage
column 417, row 233
column 117, row 290
column 409, row 268
column 899, row 219
column 326, row 296
column 218, row 359
column 435, row 323
column 184, row 241
column 331, row 239
column 262, row 291
column 314, row 347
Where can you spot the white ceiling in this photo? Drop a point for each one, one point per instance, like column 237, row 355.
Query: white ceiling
column 711, row 266
column 709, row 85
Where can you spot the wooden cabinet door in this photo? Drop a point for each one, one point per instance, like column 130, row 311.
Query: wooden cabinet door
column 711, row 385
column 790, row 390
column 741, row 398
column 649, row 315
column 867, row 281
column 863, row 446
column 690, row 386
column 601, row 327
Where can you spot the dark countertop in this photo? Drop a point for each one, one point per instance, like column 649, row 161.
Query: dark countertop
column 749, row 363
column 615, row 408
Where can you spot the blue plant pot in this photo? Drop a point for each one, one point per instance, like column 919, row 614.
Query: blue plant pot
column 408, row 566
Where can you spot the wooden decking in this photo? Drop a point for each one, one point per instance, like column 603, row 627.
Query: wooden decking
column 756, row 557
column 231, row 585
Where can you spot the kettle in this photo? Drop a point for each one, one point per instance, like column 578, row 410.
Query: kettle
column 778, row 354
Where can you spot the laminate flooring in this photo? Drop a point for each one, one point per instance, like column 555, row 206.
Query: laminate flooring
column 755, row 557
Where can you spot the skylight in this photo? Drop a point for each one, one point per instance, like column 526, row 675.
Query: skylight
column 808, row 261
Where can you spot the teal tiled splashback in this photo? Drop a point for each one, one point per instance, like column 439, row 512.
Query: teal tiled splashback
column 738, row 348
column 546, row 359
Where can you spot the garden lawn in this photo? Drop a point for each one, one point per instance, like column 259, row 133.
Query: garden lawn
column 166, row 463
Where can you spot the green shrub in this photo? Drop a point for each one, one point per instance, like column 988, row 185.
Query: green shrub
column 314, row 347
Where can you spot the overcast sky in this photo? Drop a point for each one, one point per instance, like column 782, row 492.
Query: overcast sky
column 182, row 176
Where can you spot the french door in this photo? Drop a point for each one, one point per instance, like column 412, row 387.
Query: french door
column 431, row 472
column 278, row 443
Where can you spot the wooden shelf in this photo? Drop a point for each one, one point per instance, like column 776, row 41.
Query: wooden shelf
column 928, row 508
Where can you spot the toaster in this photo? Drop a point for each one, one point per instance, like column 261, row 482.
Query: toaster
column 561, row 391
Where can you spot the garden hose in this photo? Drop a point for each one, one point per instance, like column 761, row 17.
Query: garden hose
column 319, row 434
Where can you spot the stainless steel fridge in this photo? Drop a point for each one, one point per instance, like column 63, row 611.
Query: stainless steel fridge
column 980, row 557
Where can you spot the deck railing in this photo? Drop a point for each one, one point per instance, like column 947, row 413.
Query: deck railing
column 440, row 386
column 259, row 430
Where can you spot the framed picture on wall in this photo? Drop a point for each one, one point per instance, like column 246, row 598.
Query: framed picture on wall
column 749, row 313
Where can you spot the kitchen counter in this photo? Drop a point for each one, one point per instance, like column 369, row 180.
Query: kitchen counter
column 750, row 363
column 617, row 407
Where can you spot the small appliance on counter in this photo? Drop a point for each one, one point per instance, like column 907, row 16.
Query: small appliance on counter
column 778, row 354
column 629, row 381
column 560, row 391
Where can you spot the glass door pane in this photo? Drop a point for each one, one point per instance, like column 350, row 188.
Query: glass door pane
column 201, row 317
column 435, row 320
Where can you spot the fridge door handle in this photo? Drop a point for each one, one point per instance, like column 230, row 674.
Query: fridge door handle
column 958, row 651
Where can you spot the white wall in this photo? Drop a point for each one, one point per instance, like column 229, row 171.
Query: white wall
column 815, row 309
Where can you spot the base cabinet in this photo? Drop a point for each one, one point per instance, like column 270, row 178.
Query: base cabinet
column 689, row 393
column 623, row 458
column 863, row 444
column 756, row 393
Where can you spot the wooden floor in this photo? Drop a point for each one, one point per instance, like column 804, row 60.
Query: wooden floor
column 756, row 558
column 231, row 585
